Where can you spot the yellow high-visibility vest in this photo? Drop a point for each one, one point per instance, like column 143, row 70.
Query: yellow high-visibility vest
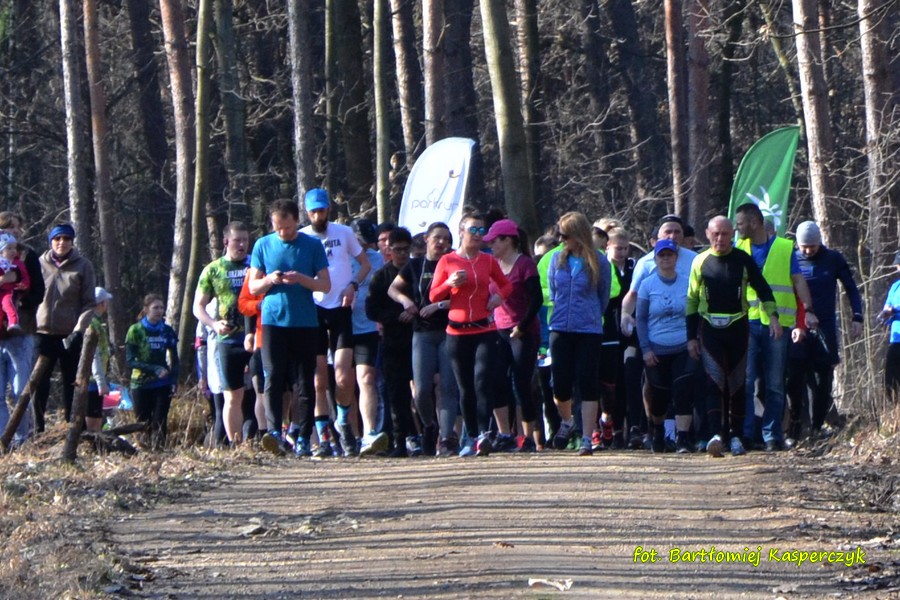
column 777, row 272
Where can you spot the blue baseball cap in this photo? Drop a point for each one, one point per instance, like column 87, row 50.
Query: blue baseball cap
column 665, row 245
column 316, row 199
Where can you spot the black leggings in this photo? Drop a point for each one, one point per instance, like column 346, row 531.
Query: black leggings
column 473, row 358
column 576, row 360
column 892, row 372
column 288, row 353
column 517, row 359
column 724, row 355
column 672, row 380
column 151, row 405
column 52, row 347
column 396, row 364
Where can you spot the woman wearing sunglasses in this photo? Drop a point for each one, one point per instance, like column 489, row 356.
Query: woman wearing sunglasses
column 579, row 279
column 464, row 279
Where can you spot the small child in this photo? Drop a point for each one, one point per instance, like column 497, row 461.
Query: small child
column 9, row 261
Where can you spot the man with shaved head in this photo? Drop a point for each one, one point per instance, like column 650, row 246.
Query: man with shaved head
column 718, row 329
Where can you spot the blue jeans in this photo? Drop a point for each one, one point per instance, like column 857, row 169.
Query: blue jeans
column 16, row 360
column 766, row 359
column 429, row 356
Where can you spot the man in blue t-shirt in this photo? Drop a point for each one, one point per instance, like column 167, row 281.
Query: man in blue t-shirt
column 287, row 267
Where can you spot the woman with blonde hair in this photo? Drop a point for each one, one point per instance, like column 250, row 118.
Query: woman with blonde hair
column 579, row 279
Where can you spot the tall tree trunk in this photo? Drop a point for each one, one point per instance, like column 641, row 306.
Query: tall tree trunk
column 650, row 149
column 353, row 110
column 76, row 145
column 734, row 22
column 106, row 206
column 409, row 79
column 882, row 142
column 460, row 98
column 333, row 92
column 301, row 94
column 380, row 73
column 233, row 113
column 783, row 62
column 172, row 16
column 528, row 38
column 510, row 126
column 23, row 26
column 153, row 122
column 819, row 140
column 678, row 117
column 700, row 148
column 156, row 193
column 597, row 74
column 433, row 50
column 201, row 174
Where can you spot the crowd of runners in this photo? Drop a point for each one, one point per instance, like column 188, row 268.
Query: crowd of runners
column 330, row 340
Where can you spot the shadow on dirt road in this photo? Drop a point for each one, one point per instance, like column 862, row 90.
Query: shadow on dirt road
column 484, row 527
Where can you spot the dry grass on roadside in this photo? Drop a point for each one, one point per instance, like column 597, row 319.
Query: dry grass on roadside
column 53, row 516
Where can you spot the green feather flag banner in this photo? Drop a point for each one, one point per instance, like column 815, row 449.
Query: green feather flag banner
column 764, row 176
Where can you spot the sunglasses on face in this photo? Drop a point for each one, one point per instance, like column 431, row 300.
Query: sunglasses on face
column 400, row 249
column 477, row 230
column 62, row 238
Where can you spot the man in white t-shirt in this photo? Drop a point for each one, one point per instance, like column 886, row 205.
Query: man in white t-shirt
column 335, row 309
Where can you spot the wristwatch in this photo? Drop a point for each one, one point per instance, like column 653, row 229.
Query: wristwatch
column 355, row 285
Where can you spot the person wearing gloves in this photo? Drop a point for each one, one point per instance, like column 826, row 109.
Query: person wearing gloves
column 63, row 316
column 812, row 360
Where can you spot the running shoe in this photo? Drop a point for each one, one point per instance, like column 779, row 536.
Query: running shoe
column 413, row 446
column 448, row 446
column 682, row 445
column 505, row 443
column 587, row 448
column 607, row 425
column 659, row 440
column 399, row 450
column 374, row 443
column 737, row 447
column 635, row 439
column 597, row 440
column 484, row 446
column 323, row 450
column 561, row 439
column 715, row 447
column 618, row 441
column 272, row 442
column 301, row 447
column 348, row 444
column 468, row 448
column 528, row 446
column 774, row 446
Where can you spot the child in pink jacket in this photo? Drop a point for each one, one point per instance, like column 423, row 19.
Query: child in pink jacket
column 9, row 261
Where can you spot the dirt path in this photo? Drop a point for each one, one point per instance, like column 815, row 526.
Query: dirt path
column 483, row 527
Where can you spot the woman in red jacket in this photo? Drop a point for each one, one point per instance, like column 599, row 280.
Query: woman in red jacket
column 464, row 277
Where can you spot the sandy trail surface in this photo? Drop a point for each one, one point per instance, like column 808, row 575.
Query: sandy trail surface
column 484, row 527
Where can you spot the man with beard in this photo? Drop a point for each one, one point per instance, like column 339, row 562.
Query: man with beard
column 335, row 310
